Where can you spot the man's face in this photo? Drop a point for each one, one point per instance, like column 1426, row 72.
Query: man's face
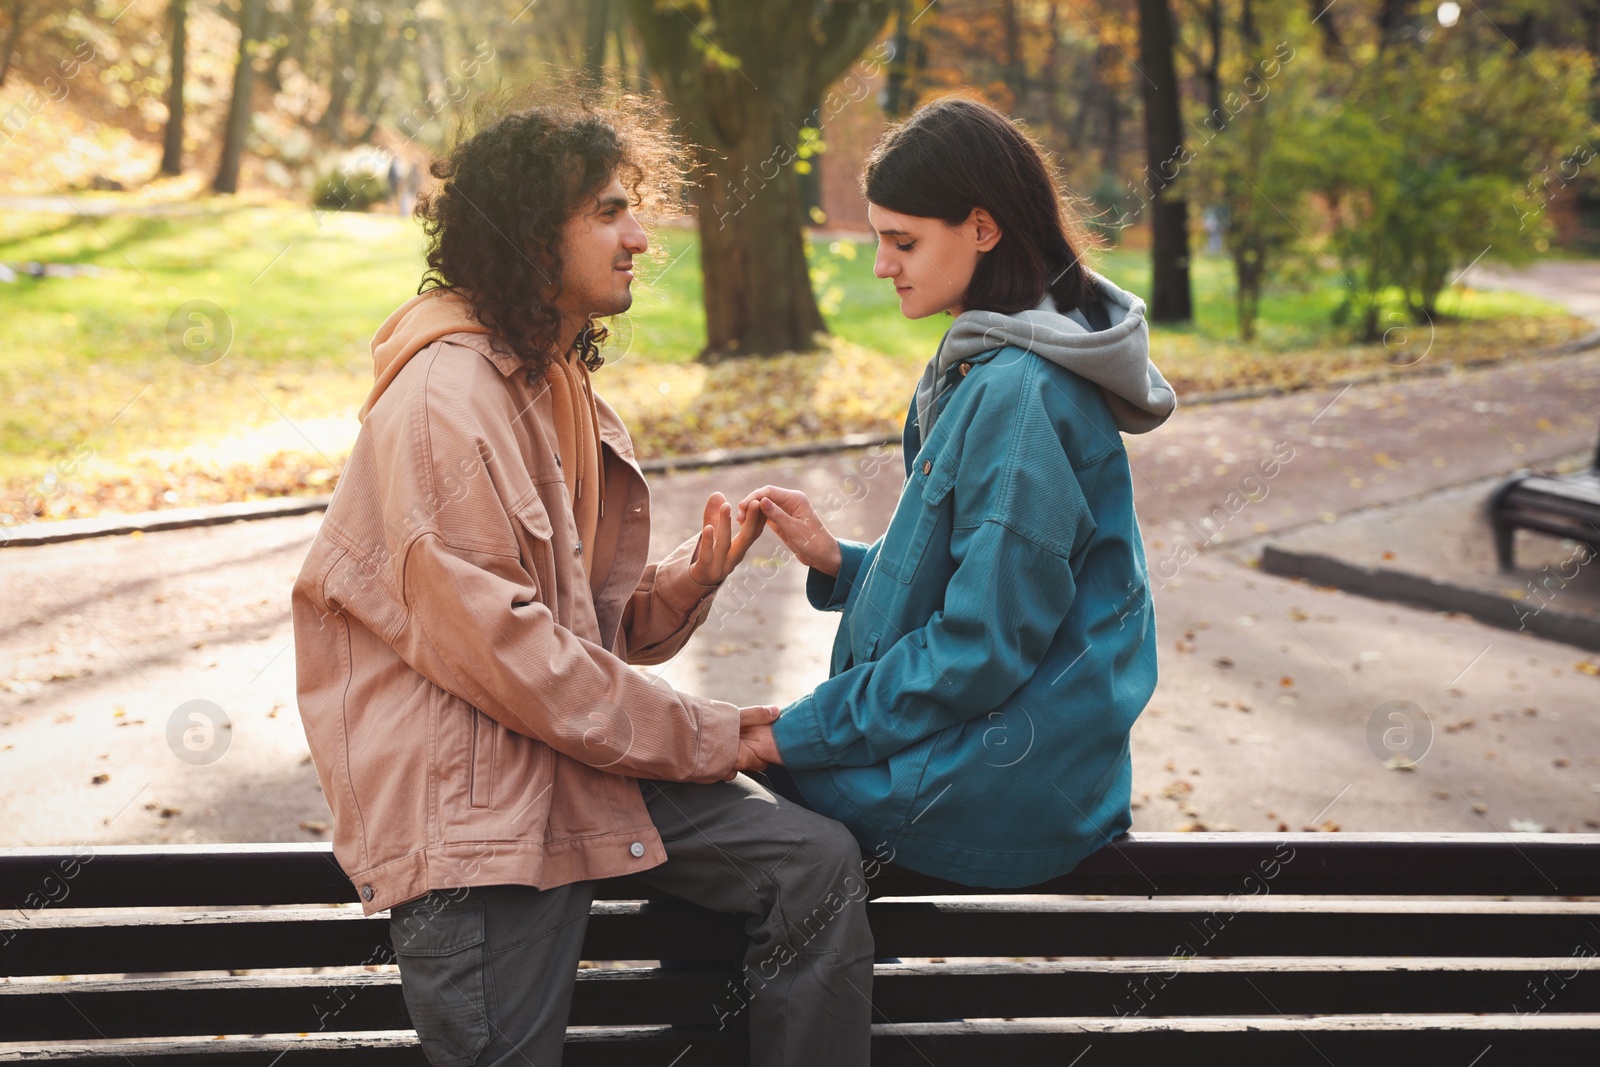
column 597, row 248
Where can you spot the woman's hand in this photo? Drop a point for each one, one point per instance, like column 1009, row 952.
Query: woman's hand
column 721, row 549
column 797, row 524
column 756, row 747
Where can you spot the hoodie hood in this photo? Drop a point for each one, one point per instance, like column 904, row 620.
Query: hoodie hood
column 1117, row 359
column 415, row 325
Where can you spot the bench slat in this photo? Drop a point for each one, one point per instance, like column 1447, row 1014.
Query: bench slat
column 62, row 944
column 642, row 1046
column 1159, row 864
column 310, row 1003
column 1260, row 928
column 1582, row 488
column 1372, row 1041
column 166, row 1007
column 206, row 941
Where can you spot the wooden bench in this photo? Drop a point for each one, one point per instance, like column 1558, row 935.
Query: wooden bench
column 1287, row 949
column 1564, row 505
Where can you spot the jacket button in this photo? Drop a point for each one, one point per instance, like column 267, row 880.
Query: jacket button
column 577, row 549
column 366, row 892
column 927, row 466
column 965, row 367
column 637, row 848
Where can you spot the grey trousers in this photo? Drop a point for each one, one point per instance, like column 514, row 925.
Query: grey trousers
column 488, row 972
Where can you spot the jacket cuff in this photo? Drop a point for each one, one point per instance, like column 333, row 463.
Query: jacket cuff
column 672, row 582
column 798, row 736
column 828, row 592
column 718, row 751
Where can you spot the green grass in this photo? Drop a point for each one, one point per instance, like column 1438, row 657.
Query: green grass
column 92, row 362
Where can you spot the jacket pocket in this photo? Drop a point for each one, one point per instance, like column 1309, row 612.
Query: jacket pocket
column 480, row 792
column 535, row 538
column 916, row 517
column 442, row 958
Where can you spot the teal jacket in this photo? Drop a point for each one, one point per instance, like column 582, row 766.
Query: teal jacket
column 996, row 643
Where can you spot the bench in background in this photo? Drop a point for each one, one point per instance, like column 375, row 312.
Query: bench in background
column 1563, row 505
column 1280, row 949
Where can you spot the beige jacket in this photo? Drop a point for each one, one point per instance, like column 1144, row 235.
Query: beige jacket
column 465, row 690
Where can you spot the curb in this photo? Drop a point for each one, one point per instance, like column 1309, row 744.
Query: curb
column 150, row 521
column 735, row 456
column 282, row 507
column 50, row 533
column 1573, row 347
column 1400, row 587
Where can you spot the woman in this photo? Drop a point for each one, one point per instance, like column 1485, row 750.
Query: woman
column 997, row 642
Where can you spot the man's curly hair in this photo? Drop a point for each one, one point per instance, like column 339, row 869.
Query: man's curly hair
column 493, row 222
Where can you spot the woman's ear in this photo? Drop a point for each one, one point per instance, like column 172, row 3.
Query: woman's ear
column 986, row 232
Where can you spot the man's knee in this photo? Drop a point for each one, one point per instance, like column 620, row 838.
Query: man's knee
column 832, row 862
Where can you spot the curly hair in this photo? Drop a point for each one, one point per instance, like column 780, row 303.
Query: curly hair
column 493, row 222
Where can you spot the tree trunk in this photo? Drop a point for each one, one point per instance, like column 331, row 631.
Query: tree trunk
column 1170, row 299
column 1249, row 265
column 244, row 79
column 1050, row 76
column 895, row 97
column 343, row 46
column 1111, row 117
column 374, row 47
column 594, row 41
column 758, row 295
column 1392, row 18
column 1015, row 77
column 1322, row 13
column 19, row 9
column 1213, row 71
column 172, row 145
column 744, row 117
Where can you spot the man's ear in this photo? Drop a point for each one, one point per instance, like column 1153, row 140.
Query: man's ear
column 985, row 229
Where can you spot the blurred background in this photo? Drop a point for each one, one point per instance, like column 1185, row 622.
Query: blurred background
column 1364, row 230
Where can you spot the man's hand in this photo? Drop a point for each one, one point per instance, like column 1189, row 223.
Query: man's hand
column 756, row 747
column 721, row 549
column 797, row 525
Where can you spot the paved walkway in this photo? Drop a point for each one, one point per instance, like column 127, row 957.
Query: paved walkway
column 1261, row 718
column 100, row 207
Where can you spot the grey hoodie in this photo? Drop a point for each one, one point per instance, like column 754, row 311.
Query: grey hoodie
column 1116, row 359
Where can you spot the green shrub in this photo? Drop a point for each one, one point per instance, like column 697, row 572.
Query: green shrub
column 355, row 182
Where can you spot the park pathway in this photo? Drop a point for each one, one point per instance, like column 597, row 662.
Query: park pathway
column 1267, row 685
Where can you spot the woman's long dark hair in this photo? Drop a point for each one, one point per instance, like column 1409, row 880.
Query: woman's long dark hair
column 956, row 154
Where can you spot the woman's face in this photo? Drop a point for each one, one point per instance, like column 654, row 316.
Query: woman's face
column 930, row 261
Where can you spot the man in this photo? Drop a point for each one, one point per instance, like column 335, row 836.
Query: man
column 465, row 621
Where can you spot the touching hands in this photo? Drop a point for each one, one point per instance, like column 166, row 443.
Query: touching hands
column 756, row 747
column 797, row 525
column 721, row 548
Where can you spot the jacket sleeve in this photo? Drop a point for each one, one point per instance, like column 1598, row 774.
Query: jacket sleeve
column 1003, row 606
column 1019, row 515
column 667, row 608
column 476, row 627
column 828, row 592
column 475, row 621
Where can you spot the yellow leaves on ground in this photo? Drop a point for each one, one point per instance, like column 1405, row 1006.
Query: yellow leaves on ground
column 274, row 450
